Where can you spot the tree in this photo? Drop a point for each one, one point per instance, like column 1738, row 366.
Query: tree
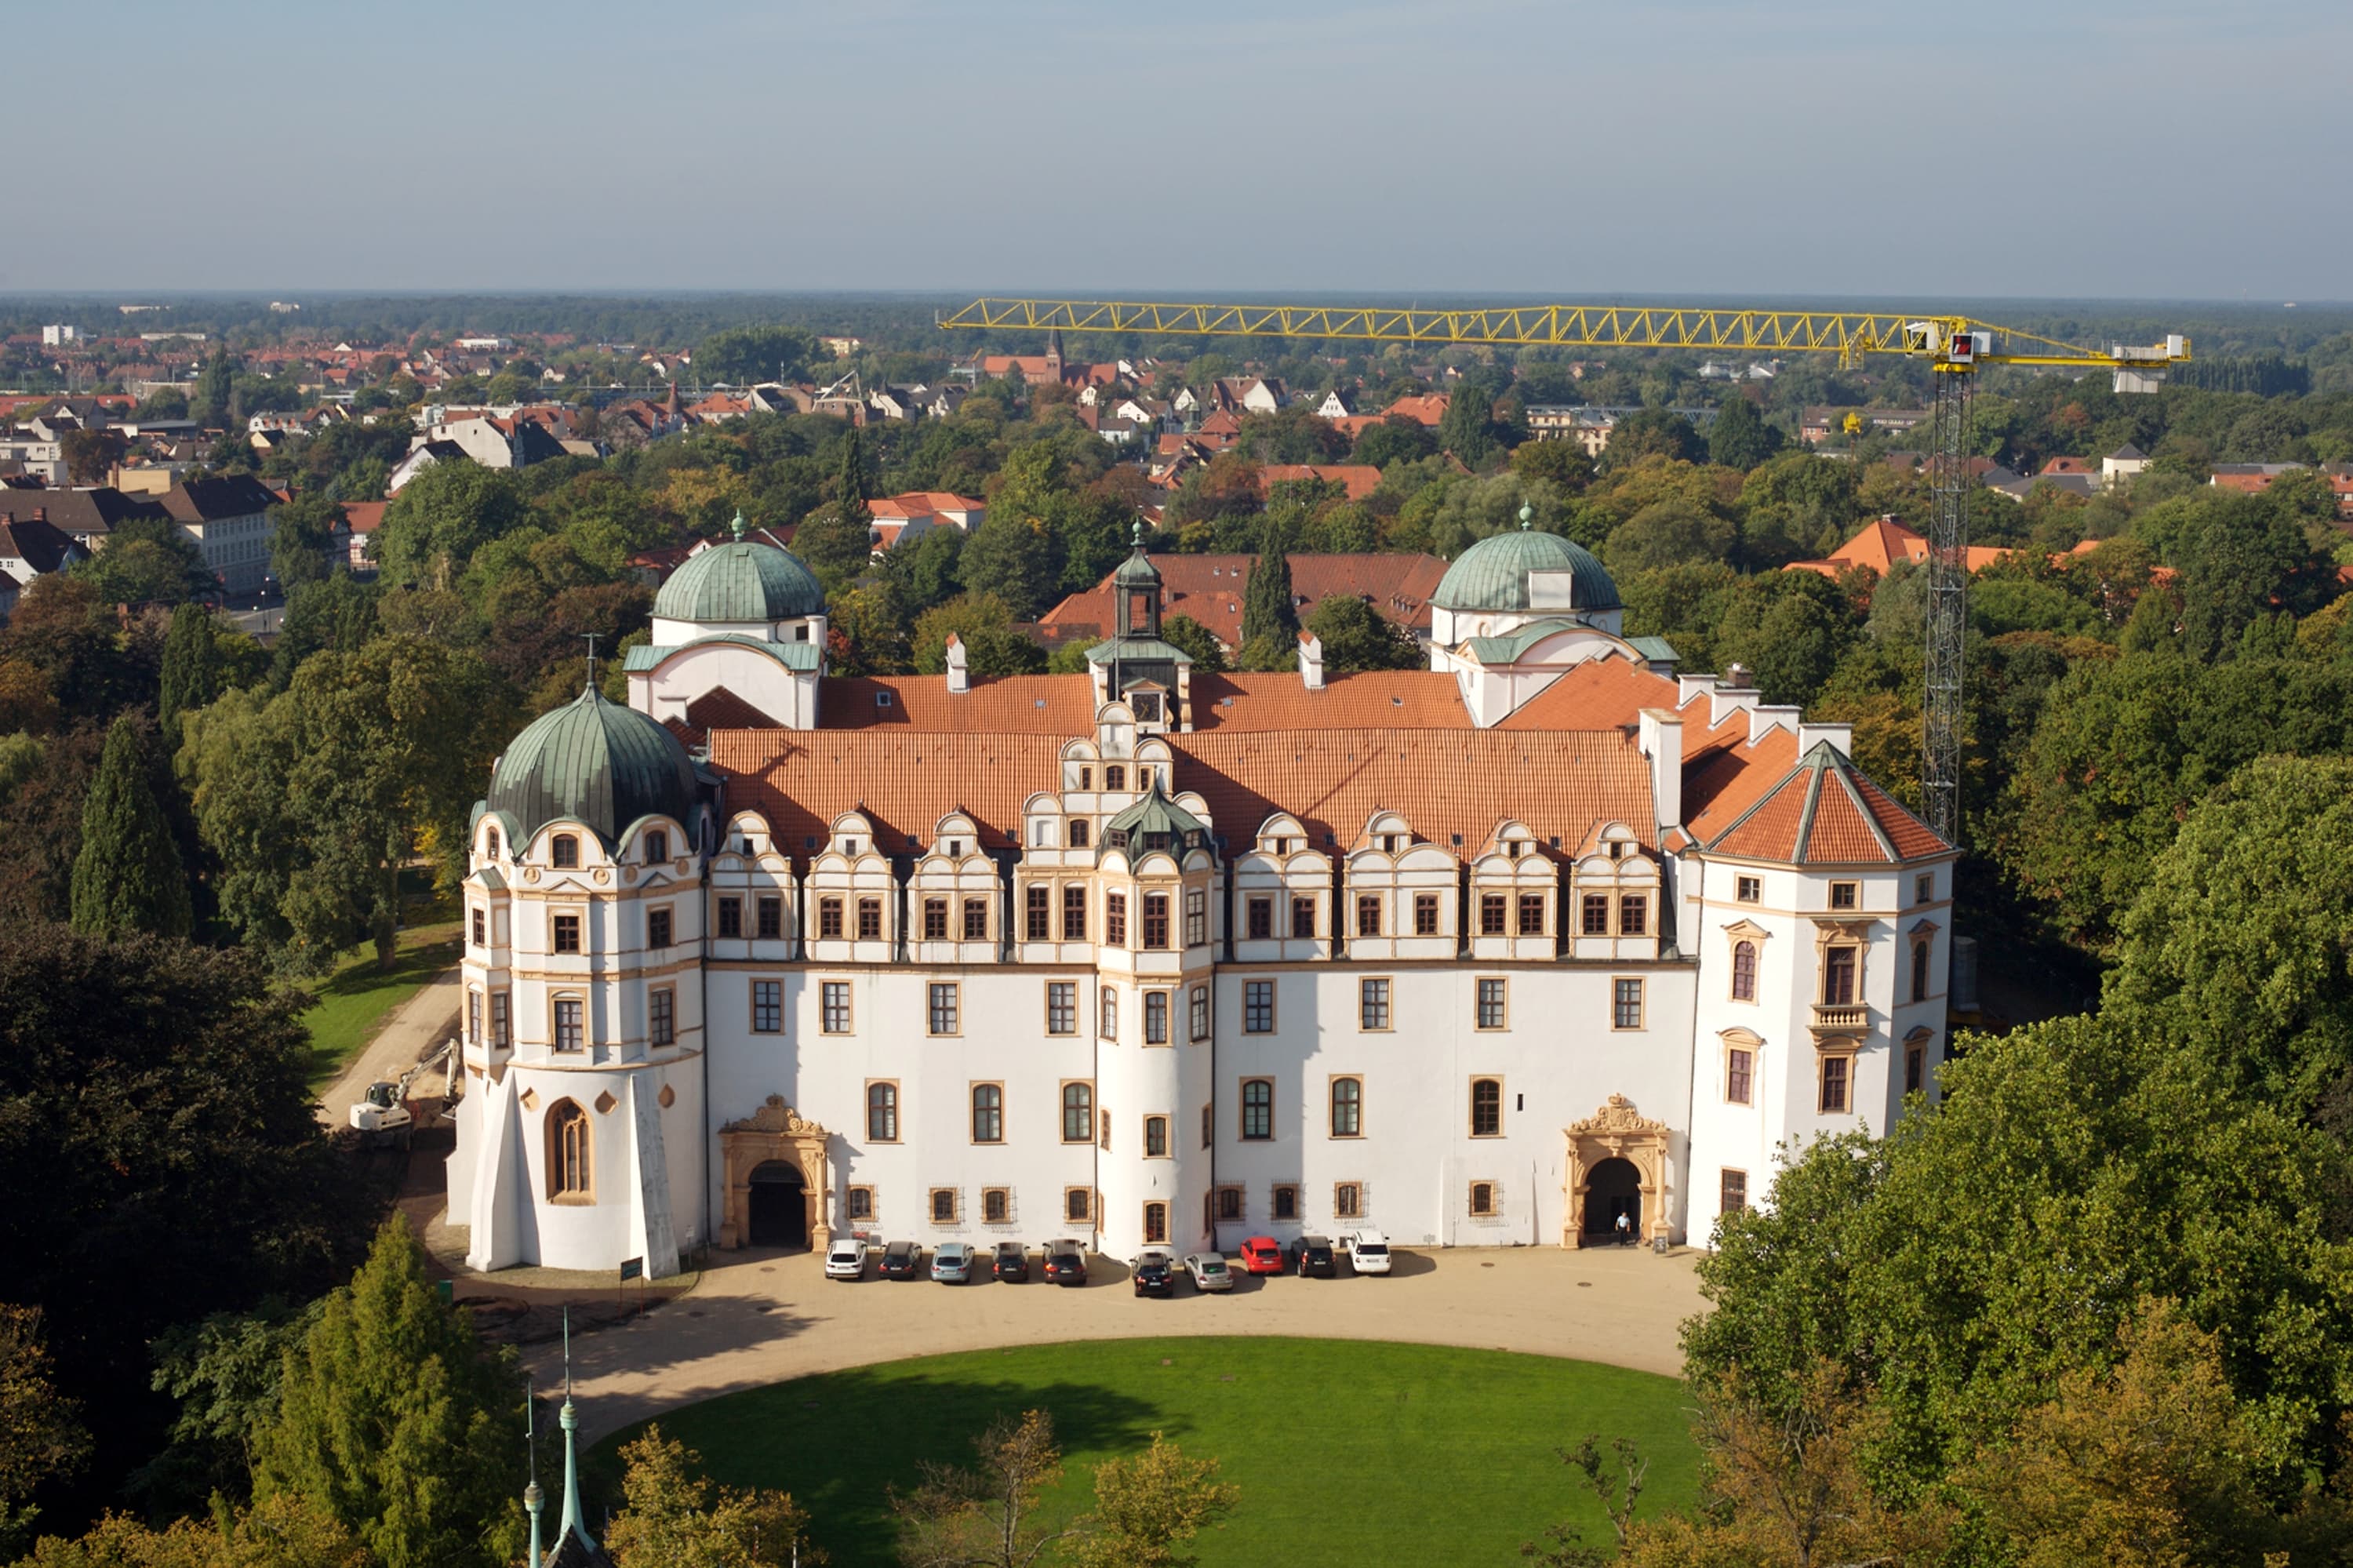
column 441, row 516
column 984, row 624
column 2236, row 557
column 1147, row 1507
column 1269, row 613
column 193, row 670
column 1561, row 463
column 1652, row 432
column 147, row 560
column 1395, row 440
column 223, row 1370
column 1616, row 1482
column 837, row 544
column 1183, row 632
column 849, row 493
column 1014, row 557
column 673, row 1516
column 302, row 539
column 1468, row 427
column 1670, row 533
column 395, row 1420
column 1739, row 439
column 283, row 1533
column 748, row 356
column 208, row 404
column 1355, row 636
column 128, row 875
column 41, row 1436
column 984, row 1517
column 91, row 454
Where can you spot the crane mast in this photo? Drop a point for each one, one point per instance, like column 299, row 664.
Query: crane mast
column 1952, row 345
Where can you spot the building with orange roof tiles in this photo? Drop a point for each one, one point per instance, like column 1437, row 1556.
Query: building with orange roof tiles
column 1548, row 943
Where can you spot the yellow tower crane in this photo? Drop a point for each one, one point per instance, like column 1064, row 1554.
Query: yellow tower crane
column 1955, row 347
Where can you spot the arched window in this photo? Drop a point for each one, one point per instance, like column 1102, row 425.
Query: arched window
column 1744, row 971
column 564, row 850
column 494, row 843
column 1347, row 1108
column 1486, row 1107
column 1257, row 1108
column 1078, row 1113
column 987, row 1113
column 569, row 1174
column 882, row 1113
column 1920, row 971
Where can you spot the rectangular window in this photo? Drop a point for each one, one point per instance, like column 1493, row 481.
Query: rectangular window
column 482, row 929
column 1074, row 913
column 1303, row 919
column 1846, row 895
column 767, row 1007
column 1483, row 1200
column 1594, row 915
column 662, row 1016
column 861, row 1203
column 1209, row 1125
column 499, row 1036
column 1732, row 1193
column 1924, row 887
column 1286, row 1201
column 1739, row 1070
column 1077, row 1204
column 568, row 1024
column 657, row 846
column 474, row 1016
column 1372, row 1004
column 943, row 1008
column 1633, row 914
column 1838, row 977
column 943, row 1205
column 1107, row 1013
column 657, row 934
column 1201, row 1012
column 1115, row 919
column 770, row 913
column 1155, row 921
column 1258, row 1110
column 829, row 917
column 936, row 919
column 870, row 919
column 975, row 919
column 1424, row 914
column 1347, row 1201
column 1197, row 917
column 567, row 933
column 1532, row 911
column 1834, row 1082
column 1258, row 1007
column 836, row 995
column 731, row 917
column 1035, row 913
column 1078, row 1113
column 1368, row 915
column 1749, row 889
column 1230, row 1203
column 1155, row 1138
column 1155, row 1017
column 1079, row 831
column 1061, row 1008
column 1491, row 1010
column 996, row 1205
column 1493, row 908
column 1103, row 1130
column 1626, row 1004
column 1258, row 919
column 1915, row 1068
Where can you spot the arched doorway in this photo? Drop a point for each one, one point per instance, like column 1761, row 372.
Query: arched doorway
column 778, row 1210
column 780, row 1137
column 1612, row 1188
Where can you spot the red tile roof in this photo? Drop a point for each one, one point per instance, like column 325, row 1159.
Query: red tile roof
column 904, row 782
column 1823, row 812
column 363, row 516
column 1209, row 588
column 1059, row 705
column 1880, row 544
column 1358, row 479
column 1371, row 699
column 1428, row 408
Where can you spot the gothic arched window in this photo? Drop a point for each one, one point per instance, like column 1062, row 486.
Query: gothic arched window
column 569, row 1173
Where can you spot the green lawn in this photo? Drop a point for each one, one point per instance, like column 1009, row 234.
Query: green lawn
column 355, row 1000
column 1346, row 1452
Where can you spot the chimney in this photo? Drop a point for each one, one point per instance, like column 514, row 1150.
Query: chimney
column 1311, row 661
column 959, row 678
column 1661, row 735
column 1839, row 736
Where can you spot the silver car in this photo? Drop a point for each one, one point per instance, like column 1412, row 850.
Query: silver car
column 1209, row 1271
column 952, row 1263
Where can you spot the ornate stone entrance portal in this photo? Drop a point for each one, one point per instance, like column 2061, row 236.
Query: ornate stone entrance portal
column 776, row 1132
column 1615, row 1132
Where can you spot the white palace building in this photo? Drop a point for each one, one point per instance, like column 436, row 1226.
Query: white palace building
column 1481, row 954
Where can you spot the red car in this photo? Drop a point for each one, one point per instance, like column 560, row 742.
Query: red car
column 1261, row 1254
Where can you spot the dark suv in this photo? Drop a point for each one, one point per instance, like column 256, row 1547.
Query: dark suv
column 902, row 1260
column 1066, row 1263
column 1012, row 1262
column 1313, row 1255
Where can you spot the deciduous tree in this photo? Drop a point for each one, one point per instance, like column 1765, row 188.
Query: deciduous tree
column 673, row 1516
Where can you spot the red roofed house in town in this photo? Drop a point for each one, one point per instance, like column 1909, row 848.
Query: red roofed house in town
column 1427, row 410
column 921, row 509
column 1357, row 479
column 1880, row 544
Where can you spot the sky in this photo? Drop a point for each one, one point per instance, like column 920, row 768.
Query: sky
column 2154, row 149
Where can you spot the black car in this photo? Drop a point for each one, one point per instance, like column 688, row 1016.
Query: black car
column 1155, row 1277
column 902, row 1260
column 1314, row 1256
column 1066, row 1263
column 1012, row 1262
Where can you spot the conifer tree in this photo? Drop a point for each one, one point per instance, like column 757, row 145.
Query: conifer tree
column 1268, row 611
column 394, row 1419
column 127, row 877
column 854, row 478
column 191, row 673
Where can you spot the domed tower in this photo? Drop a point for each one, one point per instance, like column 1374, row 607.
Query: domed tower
column 1156, row 869
column 1517, row 607
column 579, row 1136
column 743, row 619
column 1136, row 666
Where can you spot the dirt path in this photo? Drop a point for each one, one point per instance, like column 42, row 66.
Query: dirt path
column 769, row 1317
column 423, row 1021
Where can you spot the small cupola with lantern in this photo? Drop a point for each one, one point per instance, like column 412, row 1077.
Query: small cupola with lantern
column 1136, row 666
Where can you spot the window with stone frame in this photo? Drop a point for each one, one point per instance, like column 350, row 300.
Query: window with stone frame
column 1846, row 895
column 1731, row 1191
column 500, row 1039
column 1036, row 912
column 1347, row 1201
column 570, row 1149
column 976, row 920
column 1425, row 915
column 658, row 929
column 1107, row 1013
column 1920, row 969
column 474, row 1016
column 1303, row 919
column 828, row 918
column 1061, row 1007
column 862, row 1204
column 1739, row 1075
column 1486, row 1107
column 1079, row 831
column 731, row 916
column 996, row 1205
column 1155, row 1138
column 943, row 1205
column 1532, row 913
column 1744, row 970
column 1372, row 1003
column 767, row 1007
column 1493, row 1003
column 1838, row 965
column 1749, row 889
column 989, row 1113
column 944, row 1007
column 481, row 922
column 1197, row 917
column 1155, row 921
column 1074, row 912
column 1078, row 1113
column 1258, row 1110
column 1368, row 915
column 1493, row 910
column 770, row 913
column 1915, row 1066
column 1077, row 1204
column 1625, row 1004
column 657, row 846
column 1837, row 1073
column 1258, row 1007
column 564, row 851
column 1486, row 1199
column 1115, row 919
column 1155, row 1017
column 1229, row 1203
column 568, row 1036
column 936, row 919
column 882, row 1113
column 1594, row 915
column 1286, row 1201
column 1348, row 1107
column 1258, row 918
column 1156, row 1223
column 835, row 995
column 661, row 1016
column 1199, row 1009
column 1633, row 914
column 870, row 919
column 567, row 933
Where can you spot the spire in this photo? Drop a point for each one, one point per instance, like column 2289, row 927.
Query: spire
column 533, row 1500
column 1528, row 515
column 674, row 407
column 738, row 525
column 592, row 637
column 572, row 1523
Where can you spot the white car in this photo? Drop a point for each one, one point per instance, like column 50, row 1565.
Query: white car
column 1209, row 1271
column 846, row 1259
column 1368, row 1253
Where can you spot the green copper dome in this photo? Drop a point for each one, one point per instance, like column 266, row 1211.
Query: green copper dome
column 744, row 581
column 1494, row 573
column 1155, row 822
column 597, row 763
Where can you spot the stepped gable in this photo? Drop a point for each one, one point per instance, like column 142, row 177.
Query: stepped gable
column 1061, row 705
column 1563, row 785
column 1823, row 812
column 800, row 780
column 1371, row 699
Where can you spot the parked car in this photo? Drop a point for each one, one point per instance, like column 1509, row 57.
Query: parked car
column 1209, row 1271
column 1261, row 1254
column 1316, row 1256
column 1155, row 1273
column 846, row 1258
column 951, row 1263
column 902, row 1260
column 1066, row 1263
column 1368, row 1252
column 1012, row 1262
